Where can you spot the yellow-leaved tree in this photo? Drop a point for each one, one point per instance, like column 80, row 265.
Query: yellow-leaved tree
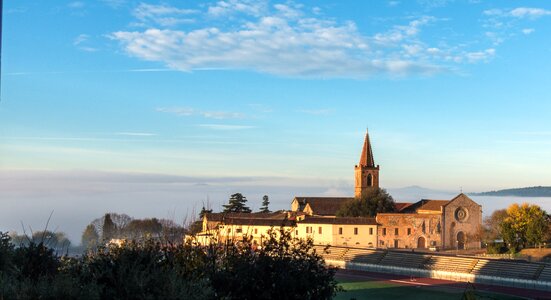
column 525, row 225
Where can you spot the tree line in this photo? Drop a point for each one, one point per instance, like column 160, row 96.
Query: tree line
column 121, row 226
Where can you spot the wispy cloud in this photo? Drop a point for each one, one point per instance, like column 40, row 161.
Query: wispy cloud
column 393, row 3
column 114, row 3
column 485, row 55
column 528, row 30
column 225, row 126
column 250, row 7
column 504, row 23
column 434, row 3
column 188, row 111
column 529, row 12
column 519, row 12
column 75, row 4
column 82, row 41
column 162, row 14
column 136, row 133
column 179, row 111
column 322, row 111
column 287, row 40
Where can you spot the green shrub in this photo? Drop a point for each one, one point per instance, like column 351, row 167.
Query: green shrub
column 283, row 268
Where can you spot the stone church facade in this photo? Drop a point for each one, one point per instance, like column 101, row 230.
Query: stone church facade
column 441, row 224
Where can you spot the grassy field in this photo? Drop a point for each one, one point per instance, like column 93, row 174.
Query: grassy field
column 385, row 290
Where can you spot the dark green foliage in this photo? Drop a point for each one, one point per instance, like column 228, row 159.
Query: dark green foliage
column 378, row 201
column 146, row 271
column 265, row 203
column 203, row 212
column 90, row 237
column 496, row 248
column 109, row 228
column 512, row 239
column 237, row 204
column 6, row 252
column 284, row 268
column 35, row 260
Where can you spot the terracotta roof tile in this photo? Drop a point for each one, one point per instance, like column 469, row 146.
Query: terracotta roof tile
column 323, row 205
column 337, row 220
column 220, row 216
column 433, row 205
column 398, row 206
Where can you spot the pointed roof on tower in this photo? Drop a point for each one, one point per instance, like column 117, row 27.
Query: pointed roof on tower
column 366, row 159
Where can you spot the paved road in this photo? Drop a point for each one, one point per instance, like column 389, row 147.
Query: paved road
column 441, row 284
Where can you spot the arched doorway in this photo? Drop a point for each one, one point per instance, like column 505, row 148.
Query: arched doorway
column 460, row 240
column 421, row 242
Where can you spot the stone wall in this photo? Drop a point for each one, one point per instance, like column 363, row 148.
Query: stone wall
column 413, row 230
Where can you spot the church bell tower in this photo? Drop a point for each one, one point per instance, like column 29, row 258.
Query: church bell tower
column 366, row 174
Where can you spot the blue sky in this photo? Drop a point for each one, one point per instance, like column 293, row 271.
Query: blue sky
column 455, row 93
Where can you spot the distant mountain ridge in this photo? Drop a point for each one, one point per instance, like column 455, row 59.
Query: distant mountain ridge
column 534, row 191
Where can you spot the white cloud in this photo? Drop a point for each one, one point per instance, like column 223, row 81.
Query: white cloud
column 250, row 7
column 434, row 3
column 136, row 133
column 528, row 30
column 519, row 12
column 393, row 3
column 322, row 111
column 485, row 55
column 76, row 4
column 222, row 115
column 163, row 15
column 505, row 23
column 179, row 111
column 114, row 3
column 82, row 41
column 287, row 40
column 81, row 38
column 529, row 12
column 401, row 32
column 493, row 12
column 225, row 126
column 187, row 111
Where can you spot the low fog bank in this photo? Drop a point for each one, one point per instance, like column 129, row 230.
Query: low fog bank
column 76, row 198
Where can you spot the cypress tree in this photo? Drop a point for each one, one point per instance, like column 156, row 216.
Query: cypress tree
column 265, row 203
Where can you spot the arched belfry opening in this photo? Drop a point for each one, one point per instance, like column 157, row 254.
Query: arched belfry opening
column 366, row 172
column 369, row 180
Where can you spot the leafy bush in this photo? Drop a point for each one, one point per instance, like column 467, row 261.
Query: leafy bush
column 496, row 248
column 284, row 268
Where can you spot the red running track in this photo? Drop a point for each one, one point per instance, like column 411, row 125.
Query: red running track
column 439, row 283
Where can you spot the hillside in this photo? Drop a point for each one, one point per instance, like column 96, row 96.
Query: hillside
column 535, row 191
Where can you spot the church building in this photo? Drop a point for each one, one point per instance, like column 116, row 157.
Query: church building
column 427, row 223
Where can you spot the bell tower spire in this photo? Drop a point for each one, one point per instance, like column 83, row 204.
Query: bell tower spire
column 366, row 173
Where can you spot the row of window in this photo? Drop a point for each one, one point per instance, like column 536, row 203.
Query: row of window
column 320, row 230
column 239, row 230
column 309, row 230
column 396, row 231
column 396, row 243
